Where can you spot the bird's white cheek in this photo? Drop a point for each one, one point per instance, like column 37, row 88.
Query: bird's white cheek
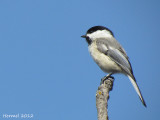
column 100, row 34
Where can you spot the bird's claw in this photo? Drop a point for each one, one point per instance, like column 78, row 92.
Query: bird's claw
column 106, row 77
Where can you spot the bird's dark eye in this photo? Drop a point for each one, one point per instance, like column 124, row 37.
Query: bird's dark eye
column 88, row 40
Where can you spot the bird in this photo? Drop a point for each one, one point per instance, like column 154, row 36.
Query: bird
column 109, row 55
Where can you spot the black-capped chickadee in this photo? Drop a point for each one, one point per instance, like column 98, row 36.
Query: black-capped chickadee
column 109, row 54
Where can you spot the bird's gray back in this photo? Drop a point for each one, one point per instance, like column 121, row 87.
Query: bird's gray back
column 112, row 43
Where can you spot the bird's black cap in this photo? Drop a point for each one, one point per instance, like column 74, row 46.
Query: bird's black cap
column 95, row 28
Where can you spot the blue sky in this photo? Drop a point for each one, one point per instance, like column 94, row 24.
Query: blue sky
column 45, row 67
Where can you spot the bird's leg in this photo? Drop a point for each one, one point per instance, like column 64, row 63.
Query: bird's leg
column 106, row 77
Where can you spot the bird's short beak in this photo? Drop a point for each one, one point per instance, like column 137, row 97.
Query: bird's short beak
column 83, row 36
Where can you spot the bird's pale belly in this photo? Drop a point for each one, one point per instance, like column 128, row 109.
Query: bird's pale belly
column 103, row 61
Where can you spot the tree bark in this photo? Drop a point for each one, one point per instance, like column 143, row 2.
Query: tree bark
column 102, row 96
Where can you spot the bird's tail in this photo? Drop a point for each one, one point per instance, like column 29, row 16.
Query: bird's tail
column 133, row 81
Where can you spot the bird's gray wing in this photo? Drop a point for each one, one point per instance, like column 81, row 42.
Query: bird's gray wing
column 112, row 42
column 115, row 54
column 118, row 58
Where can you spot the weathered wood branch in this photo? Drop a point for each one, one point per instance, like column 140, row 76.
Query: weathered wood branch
column 102, row 96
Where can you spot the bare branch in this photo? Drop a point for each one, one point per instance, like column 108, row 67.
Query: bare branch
column 102, row 96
